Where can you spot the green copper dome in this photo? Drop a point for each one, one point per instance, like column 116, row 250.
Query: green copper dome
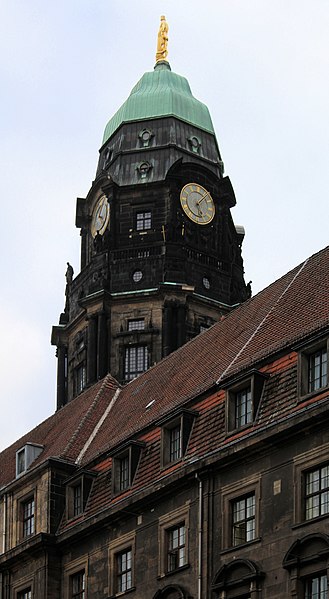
column 158, row 94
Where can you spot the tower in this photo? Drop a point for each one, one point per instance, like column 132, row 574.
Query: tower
column 160, row 255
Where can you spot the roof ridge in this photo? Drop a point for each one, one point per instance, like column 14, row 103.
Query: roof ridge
column 107, row 378
column 98, row 425
column 262, row 322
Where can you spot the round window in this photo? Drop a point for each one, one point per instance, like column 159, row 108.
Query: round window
column 206, row 282
column 137, row 276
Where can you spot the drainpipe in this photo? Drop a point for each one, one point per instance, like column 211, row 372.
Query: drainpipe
column 199, row 537
column 4, row 523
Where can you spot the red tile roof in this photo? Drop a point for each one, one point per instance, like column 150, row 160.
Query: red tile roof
column 288, row 311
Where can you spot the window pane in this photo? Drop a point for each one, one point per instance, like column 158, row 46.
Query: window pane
column 136, row 361
column 316, row 587
column 176, row 547
column 78, row 585
column 244, row 522
column 317, row 370
column 124, row 570
column 317, row 492
column 175, row 443
column 243, row 407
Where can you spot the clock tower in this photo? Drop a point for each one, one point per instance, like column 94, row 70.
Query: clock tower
column 160, row 254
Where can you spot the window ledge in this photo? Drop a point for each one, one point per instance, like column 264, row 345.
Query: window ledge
column 242, row 546
column 311, row 521
column 122, row 593
column 172, row 572
column 309, row 395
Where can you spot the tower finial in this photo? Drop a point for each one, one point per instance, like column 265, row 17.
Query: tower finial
column 162, row 45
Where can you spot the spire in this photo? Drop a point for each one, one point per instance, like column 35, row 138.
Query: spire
column 162, row 45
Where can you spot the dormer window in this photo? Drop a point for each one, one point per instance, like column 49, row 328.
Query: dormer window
column 145, row 137
column 242, row 400
column 77, row 493
column 124, row 466
column 313, row 367
column 175, row 435
column 25, row 456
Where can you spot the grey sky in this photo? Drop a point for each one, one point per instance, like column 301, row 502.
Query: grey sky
column 261, row 66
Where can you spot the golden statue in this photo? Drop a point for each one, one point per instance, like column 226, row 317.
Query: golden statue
column 162, row 46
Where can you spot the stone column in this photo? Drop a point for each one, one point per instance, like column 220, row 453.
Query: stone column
column 92, row 349
column 102, row 346
column 61, row 376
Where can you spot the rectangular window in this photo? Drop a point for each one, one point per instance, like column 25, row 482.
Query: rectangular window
column 28, row 517
column 77, row 500
column 176, row 547
column 26, row 594
column 316, row 587
column 317, row 492
column 243, row 407
column 317, row 370
column 243, row 520
column 124, row 571
column 78, row 585
column 124, row 481
column 136, row 325
column 143, row 221
column 175, row 452
column 81, row 377
column 136, row 361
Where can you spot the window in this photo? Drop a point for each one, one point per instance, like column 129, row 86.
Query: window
column 240, row 578
column 317, row 370
column 28, row 517
column 175, row 435
column 121, row 553
column 136, row 361
column 242, row 401
column 124, row 571
column 243, row 407
column 143, row 221
column 25, row 456
column 316, row 587
column 308, row 559
column 25, row 594
column 77, row 499
column 77, row 492
column 81, row 377
column 243, row 520
column 138, row 324
column 173, row 540
column 78, row 585
column 313, row 367
column 137, row 276
column 176, row 548
column 317, row 492
column 175, row 451
column 124, row 466
column 124, row 479
column 240, row 512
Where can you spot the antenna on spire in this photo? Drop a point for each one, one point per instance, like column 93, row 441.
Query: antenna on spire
column 162, row 45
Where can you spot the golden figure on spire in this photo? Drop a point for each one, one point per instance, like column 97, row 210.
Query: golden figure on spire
column 162, row 46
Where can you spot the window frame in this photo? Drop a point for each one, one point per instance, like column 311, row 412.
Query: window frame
column 238, row 491
column 304, row 354
column 143, row 220
column 307, row 592
column 130, row 374
column 168, row 523
column 81, row 593
column 84, row 480
column 303, row 464
column 131, row 452
column 117, row 547
column 184, row 422
column 243, row 521
column 72, row 569
column 28, row 500
column 253, row 381
column 121, row 573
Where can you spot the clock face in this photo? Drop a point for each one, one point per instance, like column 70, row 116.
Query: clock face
column 197, row 203
column 100, row 217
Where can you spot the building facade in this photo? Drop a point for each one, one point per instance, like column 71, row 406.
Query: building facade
column 206, row 475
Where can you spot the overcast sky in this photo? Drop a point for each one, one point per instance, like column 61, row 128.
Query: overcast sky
column 66, row 66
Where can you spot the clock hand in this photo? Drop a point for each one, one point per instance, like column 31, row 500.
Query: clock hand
column 203, row 198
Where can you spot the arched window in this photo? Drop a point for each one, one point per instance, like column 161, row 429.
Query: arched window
column 239, row 579
column 307, row 564
column 171, row 591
